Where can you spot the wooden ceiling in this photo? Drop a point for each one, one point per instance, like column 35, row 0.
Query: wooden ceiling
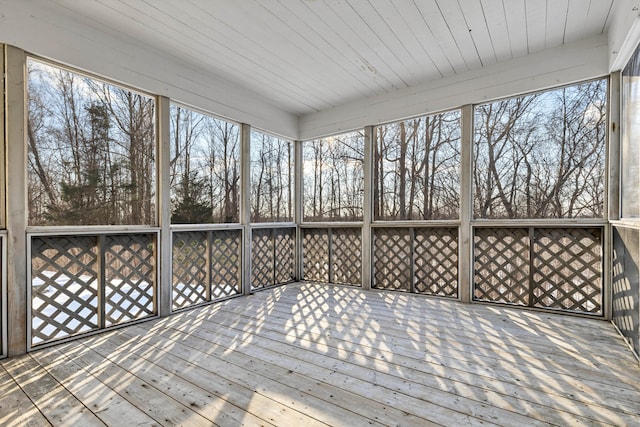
column 312, row 55
column 307, row 56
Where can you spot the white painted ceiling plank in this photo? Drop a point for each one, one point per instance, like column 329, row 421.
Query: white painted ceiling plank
column 494, row 15
column 397, row 39
column 369, row 65
column 576, row 18
column 457, row 25
column 301, row 56
column 428, row 45
column 169, row 36
column 479, row 31
column 260, row 43
column 344, row 55
column 318, row 62
column 269, row 70
column 266, row 70
column 433, row 18
column 120, row 59
column 599, row 12
column 517, row 26
column 536, row 24
column 555, row 23
column 322, row 42
column 368, row 49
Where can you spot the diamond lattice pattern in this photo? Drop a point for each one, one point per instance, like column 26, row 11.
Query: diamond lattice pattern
column 189, row 268
column 64, row 287
column 130, row 277
column 346, row 256
column 501, row 265
column 284, row 255
column 568, row 269
column 225, row 261
column 557, row 268
column 272, row 256
column 315, row 249
column 262, row 258
column 392, row 250
column 436, row 261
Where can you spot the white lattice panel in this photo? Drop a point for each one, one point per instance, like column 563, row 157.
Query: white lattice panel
column 315, row 254
column 190, row 268
column 568, row 269
column 346, row 256
column 130, row 277
column 64, row 287
column 262, row 258
column 392, row 249
column 225, row 262
column 284, row 255
column 502, row 265
column 556, row 268
column 272, row 256
column 436, row 261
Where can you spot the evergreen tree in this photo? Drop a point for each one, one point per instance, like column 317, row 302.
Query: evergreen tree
column 189, row 207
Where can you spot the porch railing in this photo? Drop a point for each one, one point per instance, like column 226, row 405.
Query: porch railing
column 272, row 255
column 332, row 254
column 544, row 267
column 83, row 282
column 206, row 265
column 420, row 259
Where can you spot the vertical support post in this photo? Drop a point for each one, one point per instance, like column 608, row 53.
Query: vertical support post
column 298, row 178
column 532, row 295
column 330, row 253
column 412, row 260
column 367, row 207
column 208, row 267
column 16, row 163
column 3, row 163
column 612, row 201
column 245, row 205
column 465, row 234
column 164, row 201
column 612, row 195
column 102, row 283
column 3, row 218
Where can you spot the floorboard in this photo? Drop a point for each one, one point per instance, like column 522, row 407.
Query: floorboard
column 317, row 355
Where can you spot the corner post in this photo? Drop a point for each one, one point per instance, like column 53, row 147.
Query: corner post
column 465, row 235
column 245, row 205
column 298, row 201
column 367, row 207
column 612, row 195
column 15, row 101
column 163, row 117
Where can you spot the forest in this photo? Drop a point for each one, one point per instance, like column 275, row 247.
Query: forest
column 91, row 151
column 92, row 160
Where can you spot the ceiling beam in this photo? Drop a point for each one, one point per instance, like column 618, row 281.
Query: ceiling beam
column 568, row 63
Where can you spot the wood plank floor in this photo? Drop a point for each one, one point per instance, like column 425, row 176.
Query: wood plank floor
column 306, row 355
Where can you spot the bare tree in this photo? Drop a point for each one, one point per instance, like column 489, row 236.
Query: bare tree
column 416, row 168
column 90, row 150
column 271, row 178
column 333, row 177
column 542, row 155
